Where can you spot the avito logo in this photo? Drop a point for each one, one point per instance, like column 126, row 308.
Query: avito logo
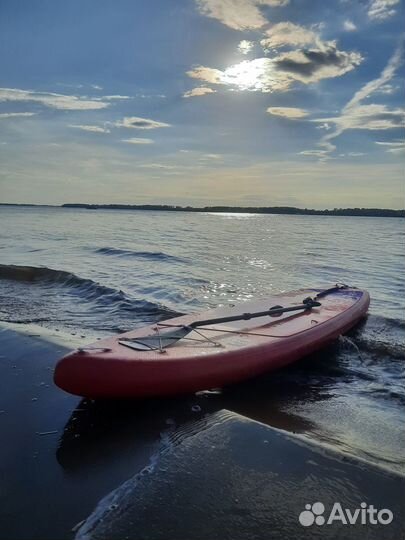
column 365, row 515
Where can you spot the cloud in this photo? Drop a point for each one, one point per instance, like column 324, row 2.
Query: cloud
column 157, row 166
column 206, row 74
column 138, row 140
column 314, row 153
column 386, row 75
column 150, row 96
column 356, row 115
column 324, row 126
column 312, row 65
column 245, row 46
column 308, row 60
column 114, row 97
column 382, row 9
column 70, row 85
column 371, row 117
column 238, row 14
column 288, row 34
column 394, row 147
column 16, row 114
column 292, row 113
column 279, row 73
column 349, row 26
column 393, row 143
column 352, row 154
column 388, row 89
column 314, row 59
column 93, row 129
column 52, row 100
column 211, row 157
column 200, row 91
column 135, row 122
column 322, row 152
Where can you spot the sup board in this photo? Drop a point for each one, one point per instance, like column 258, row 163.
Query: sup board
column 173, row 357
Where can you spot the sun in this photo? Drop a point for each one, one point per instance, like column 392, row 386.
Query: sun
column 251, row 75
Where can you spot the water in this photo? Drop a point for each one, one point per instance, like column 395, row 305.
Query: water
column 93, row 273
column 129, row 267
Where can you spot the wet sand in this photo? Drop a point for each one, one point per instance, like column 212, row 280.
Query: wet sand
column 204, row 472
column 230, row 477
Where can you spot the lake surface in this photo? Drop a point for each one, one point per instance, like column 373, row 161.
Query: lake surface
column 93, row 273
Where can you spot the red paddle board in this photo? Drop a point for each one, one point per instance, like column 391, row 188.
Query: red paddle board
column 210, row 356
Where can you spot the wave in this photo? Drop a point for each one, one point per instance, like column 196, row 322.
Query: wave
column 150, row 255
column 381, row 336
column 373, row 355
column 379, row 320
column 394, row 350
column 42, row 274
column 87, row 289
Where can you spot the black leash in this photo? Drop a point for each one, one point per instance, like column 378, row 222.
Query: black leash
column 337, row 287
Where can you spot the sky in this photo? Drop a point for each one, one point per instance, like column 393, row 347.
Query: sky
column 203, row 102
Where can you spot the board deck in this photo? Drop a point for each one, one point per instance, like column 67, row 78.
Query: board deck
column 212, row 356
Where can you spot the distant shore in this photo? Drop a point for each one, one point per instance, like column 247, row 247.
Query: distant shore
column 285, row 210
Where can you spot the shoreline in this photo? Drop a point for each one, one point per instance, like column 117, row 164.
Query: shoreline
column 56, row 337
column 272, row 399
column 271, row 210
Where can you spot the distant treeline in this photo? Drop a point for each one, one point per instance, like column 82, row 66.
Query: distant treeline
column 366, row 212
column 30, row 205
